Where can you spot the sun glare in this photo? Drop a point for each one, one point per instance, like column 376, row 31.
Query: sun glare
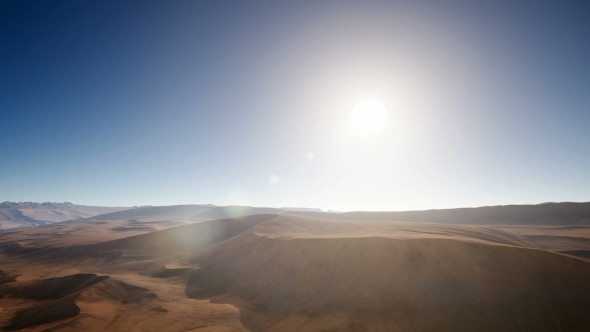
column 368, row 117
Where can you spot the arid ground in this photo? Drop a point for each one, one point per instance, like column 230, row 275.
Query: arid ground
column 164, row 270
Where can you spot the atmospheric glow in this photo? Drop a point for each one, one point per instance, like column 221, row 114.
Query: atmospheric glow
column 368, row 117
column 273, row 179
column 215, row 114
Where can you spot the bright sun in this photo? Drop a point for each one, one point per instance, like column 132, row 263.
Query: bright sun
column 368, row 117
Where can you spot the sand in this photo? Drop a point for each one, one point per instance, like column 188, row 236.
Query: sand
column 320, row 274
column 277, row 272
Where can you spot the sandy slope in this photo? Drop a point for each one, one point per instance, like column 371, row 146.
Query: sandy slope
column 121, row 224
column 86, row 231
column 97, row 307
column 184, row 211
column 297, row 274
column 291, row 273
column 87, row 302
column 188, row 238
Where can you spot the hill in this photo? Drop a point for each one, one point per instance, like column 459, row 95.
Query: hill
column 304, row 274
column 13, row 215
column 27, row 214
column 540, row 214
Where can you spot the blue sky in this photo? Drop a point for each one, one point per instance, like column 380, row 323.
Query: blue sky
column 175, row 102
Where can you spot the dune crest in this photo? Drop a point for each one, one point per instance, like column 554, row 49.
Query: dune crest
column 279, row 272
column 305, row 274
column 57, row 299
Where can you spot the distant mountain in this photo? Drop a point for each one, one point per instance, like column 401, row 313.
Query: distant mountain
column 195, row 212
column 566, row 214
column 301, row 209
column 541, row 214
column 26, row 214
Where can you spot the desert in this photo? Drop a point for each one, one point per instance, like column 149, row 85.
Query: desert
column 295, row 166
column 287, row 272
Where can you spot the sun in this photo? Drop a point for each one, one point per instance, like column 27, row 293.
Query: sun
column 368, row 117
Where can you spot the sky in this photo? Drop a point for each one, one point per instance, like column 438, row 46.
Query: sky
column 123, row 103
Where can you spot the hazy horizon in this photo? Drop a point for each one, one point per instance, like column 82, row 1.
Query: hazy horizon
column 123, row 103
column 303, row 207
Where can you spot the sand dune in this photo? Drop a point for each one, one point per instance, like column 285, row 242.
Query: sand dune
column 279, row 272
column 103, row 227
column 50, row 289
column 121, row 224
column 184, row 238
column 46, row 300
column 571, row 240
column 157, row 211
column 234, row 211
column 295, row 274
column 56, row 299
column 196, row 212
column 6, row 277
column 119, row 302
column 302, row 227
column 81, row 232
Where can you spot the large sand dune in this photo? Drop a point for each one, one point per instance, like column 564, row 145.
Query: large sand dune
column 157, row 211
column 122, row 224
column 279, row 272
column 297, row 274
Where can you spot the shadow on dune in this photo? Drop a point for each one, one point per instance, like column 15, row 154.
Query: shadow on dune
column 55, row 299
column 293, row 278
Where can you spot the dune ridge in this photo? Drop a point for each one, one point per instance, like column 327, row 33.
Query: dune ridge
column 280, row 272
column 309, row 278
column 566, row 213
column 56, row 299
column 185, row 238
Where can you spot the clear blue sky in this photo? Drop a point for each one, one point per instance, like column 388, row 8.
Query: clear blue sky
column 245, row 102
